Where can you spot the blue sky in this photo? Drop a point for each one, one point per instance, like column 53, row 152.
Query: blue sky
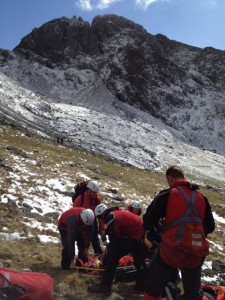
column 199, row 23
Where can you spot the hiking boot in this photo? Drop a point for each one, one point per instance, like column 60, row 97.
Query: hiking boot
column 99, row 288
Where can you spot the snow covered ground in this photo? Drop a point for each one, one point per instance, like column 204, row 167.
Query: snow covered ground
column 106, row 126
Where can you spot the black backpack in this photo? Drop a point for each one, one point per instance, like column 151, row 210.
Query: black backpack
column 79, row 189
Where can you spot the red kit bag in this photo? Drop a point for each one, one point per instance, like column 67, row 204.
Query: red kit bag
column 25, row 285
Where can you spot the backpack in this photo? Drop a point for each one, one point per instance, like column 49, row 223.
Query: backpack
column 79, row 189
column 25, row 285
column 186, row 244
column 212, row 292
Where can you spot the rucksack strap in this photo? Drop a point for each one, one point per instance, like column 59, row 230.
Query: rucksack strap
column 186, row 217
column 209, row 296
column 190, row 201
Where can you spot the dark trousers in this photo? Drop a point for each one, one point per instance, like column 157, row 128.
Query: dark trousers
column 95, row 239
column 118, row 249
column 159, row 272
column 65, row 256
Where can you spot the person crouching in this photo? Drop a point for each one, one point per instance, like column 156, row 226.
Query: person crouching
column 125, row 233
column 75, row 224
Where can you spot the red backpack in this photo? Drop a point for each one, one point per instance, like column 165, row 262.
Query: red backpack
column 183, row 241
column 213, row 292
column 25, row 285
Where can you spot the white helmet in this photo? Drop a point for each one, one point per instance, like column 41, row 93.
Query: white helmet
column 136, row 204
column 99, row 209
column 93, row 185
column 87, row 216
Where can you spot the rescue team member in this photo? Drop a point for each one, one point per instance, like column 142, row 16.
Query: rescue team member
column 182, row 208
column 90, row 199
column 135, row 208
column 75, row 224
column 125, row 232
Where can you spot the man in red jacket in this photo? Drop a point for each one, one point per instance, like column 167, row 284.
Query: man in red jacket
column 90, row 199
column 75, row 224
column 187, row 219
column 125, row 232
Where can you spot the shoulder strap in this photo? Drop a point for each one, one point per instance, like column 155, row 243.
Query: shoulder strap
column 186, row 217
column 190, row 201
column 209, row 296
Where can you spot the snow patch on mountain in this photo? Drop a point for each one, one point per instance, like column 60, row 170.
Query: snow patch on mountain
column 98, row 122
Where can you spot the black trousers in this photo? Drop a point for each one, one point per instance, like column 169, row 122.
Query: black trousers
column 118, row 249
column 95, row 239
column 65, row 257
column 159, row 272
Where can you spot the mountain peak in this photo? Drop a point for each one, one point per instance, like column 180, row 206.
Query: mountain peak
column 59, row 39
column 64, row 38
column 113, row 63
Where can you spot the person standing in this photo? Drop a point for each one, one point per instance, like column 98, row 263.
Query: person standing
column 187, row 219
column 90, row 199
column 75, row 224
column 125, row 233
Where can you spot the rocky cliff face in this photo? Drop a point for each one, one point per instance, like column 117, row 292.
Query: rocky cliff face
column 60, row 40
column 173, row 82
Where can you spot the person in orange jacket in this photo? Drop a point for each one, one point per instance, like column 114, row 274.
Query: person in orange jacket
column 75, row 224
column 90, row 199
column 182, row 208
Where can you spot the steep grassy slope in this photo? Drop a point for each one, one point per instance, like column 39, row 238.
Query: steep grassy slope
column 27, row 162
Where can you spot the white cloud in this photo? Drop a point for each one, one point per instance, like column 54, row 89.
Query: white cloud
column 85, row 5
column 89, row 5
column 102, row 4
column 144, row 4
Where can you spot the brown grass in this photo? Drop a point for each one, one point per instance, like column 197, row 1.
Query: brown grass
column 56, row 161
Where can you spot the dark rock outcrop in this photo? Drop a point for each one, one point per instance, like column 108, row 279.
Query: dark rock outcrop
column 59, row 40
column 170, row 80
